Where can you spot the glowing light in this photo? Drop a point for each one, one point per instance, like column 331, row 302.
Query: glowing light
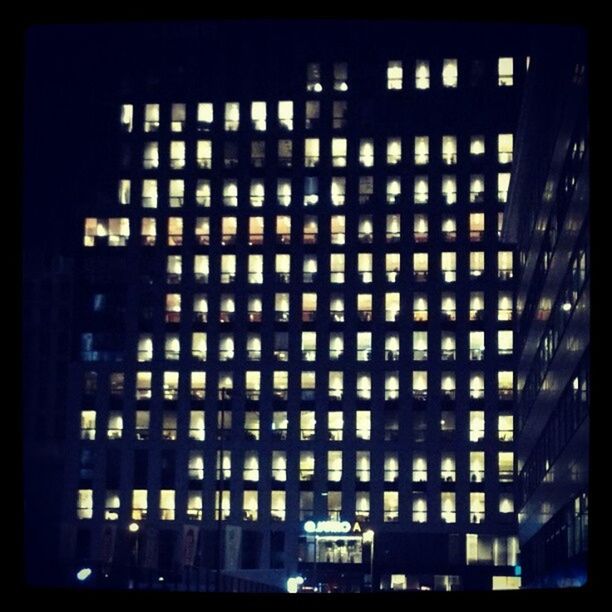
column 292, row 585
column 83, row 574
column 160, row 579
column 566, row 307
column 318, row 87
column 327, row 527
column 134, row 527
column 368, row 536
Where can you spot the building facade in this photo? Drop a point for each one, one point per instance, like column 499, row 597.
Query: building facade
column 548, row 217
column 295, row 319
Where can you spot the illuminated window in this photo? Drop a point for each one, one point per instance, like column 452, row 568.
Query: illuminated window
column 476, row 306
column 421, row 189
column 505, row 381
column 223, row 464
column 447, row 467
column 205, row 116
column 477, row 264
column 111, row 506
column 85, row 503
column 171, row 383
column 175, row 231
column 477, row 506
column 447, row 346
column 390, row 506
column 335, row 425
column 448, row 306
column 391, row 467
column 198, row 385
column 419, row 307
column 340, row 76
column 364, row 386
column 177, row 154
column 228, row 268
column 335, row 385
column 177, row 120
column 200, row 268
column 394, row 190
column 280, row 384
column 313, row 113
column 334, row 505
column 505, row 70
column 222, row 505
column 194, row 505
column 334, row 466
column 421, row 150
column 151, row 118
column 504, row 342
column 449, row 188
column 504, row 148
column 172, row 347
column 150, row 156
column 204, row 154
column 313, row 78
column 311, row 190
column 336, row 345
column 419, row 345
column 448, row 266
column 362, row 466
column 362, row 506
column 477, row 425
column 395, row 75
column 447, row 507
column 504, row 265
column 124, row 191
column 338, row 152
column 249, row 505
column 450, row 73
column 477, row 345
column 476, row 385
column 394, row 151
column 365, row 229
column 283, row 192
column 477, row 466
column 176, row 193
column 337, row 274
column 476, row 188
column 364, row 346
column 149, row 193
column 419, row 507
column 421, row 76
column 258, row 116
column 503, row 183
column 232, row 116
column 364, row 306
column 419, row 384
column 139, row 504
column 285, row 114
column 311, row 152
column 420, row 264
column 202, row 192
column 279, row 425
column 281, row 307
column 226, row 347
column 142, row 424
column 449, row 150
column 505, row 428
column 309, row 346
column 366, row 152
column 309, row 307
column 363, row 424
column 337, row 229
column 166, row 505
column 393, row 233
column 88, row 425
column 504, row 306
column 477, row 145
column 506, row 503
column 366, row 189
column 250, row 472
column 310, row 230
column 339, row 114
column 127, row 117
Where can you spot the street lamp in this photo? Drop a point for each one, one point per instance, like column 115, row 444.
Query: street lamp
column 368, row 538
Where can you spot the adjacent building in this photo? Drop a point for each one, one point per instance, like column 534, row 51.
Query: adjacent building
column 548, row 217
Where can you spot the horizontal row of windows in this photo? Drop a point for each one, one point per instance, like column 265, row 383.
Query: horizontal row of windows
column 282, row 230
column 227, row 192
column 170, row 425
column 279, row 383
column 341, row 151
column 246, row 506
column 228, row 345
column 204, row 111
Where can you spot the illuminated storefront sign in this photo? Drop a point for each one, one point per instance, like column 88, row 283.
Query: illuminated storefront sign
column 331, row 527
